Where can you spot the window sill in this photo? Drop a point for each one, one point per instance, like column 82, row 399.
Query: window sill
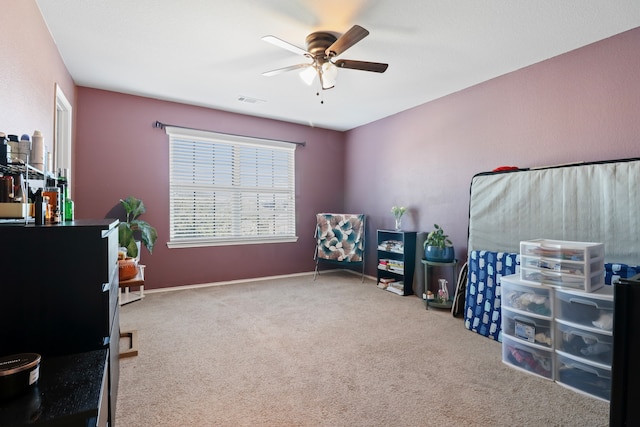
column 231, row 242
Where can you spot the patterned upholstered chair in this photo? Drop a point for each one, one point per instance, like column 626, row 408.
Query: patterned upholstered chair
column 340, row 240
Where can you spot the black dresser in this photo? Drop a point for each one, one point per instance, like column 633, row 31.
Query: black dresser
column 624, row 409
column 58, row 298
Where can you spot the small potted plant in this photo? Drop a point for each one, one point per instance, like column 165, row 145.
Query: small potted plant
column 134, row 228
column 397, row 212
column 438, row 247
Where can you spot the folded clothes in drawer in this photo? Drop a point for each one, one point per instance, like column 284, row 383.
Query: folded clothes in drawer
column 588, row 283
column 592, row 310
column 590, row 345
column 528, row 358
column 527, row 298
column 594, row 380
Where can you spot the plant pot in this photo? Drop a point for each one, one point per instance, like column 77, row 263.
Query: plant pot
column 127, row 269
column 436, row 254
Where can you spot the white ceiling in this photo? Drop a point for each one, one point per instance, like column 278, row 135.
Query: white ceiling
column 210, row 53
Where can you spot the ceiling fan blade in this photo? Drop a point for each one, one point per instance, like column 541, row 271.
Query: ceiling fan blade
column 285, row 45
column 284, row 70
column 376, row 67
column 348, row 39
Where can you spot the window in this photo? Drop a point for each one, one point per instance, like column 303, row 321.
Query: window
column 228, row 189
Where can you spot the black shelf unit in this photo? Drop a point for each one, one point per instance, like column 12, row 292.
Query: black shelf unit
column 59, row 297
column 21, row 168
column 403, row 254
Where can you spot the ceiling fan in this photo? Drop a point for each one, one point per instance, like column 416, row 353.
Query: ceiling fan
column 322, row 49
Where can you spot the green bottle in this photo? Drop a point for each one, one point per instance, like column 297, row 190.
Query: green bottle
column 68, row 209
column 66, row 206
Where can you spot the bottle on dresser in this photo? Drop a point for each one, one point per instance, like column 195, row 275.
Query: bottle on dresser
column 5, row 149
column 66, row 205
column 52, row 191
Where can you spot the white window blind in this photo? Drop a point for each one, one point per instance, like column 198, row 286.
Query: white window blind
column 229, row 189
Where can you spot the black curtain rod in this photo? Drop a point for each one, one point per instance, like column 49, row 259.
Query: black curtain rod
column 160, row 125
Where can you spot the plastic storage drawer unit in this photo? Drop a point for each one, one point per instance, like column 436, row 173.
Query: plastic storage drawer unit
column 526, row 298
column 592, row 311
column 528, row 358
column 590, row 345
column 591, row 379
column 562, row 250
column 576, row 265
column 527, row 328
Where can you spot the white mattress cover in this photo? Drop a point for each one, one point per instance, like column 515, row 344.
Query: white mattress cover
column 597, row 202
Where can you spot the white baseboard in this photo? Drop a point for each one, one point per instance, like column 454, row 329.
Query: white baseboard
column 255, row 279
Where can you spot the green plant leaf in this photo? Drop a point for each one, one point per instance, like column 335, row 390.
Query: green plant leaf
column 127, row 240
column 134, row 207
column 437, row 238
column 132, row 227
column 148, row 234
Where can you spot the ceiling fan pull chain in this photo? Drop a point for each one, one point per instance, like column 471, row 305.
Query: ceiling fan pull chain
column 320, row 92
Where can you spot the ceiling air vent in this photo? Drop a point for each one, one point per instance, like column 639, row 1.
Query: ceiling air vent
column 250, row 100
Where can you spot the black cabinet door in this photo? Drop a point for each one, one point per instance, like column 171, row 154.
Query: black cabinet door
column 56, row 287
column 625, row 368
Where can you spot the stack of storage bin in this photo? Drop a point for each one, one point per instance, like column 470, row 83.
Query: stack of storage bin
column 584, row 344
column 527, row 326
column 557, row 315
column 572, row 265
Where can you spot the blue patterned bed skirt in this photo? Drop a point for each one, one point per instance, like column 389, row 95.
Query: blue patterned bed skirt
column 482, row 313
column 614, row 272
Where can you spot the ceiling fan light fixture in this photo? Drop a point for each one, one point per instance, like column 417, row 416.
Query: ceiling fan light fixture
column 322, row 48
column 308, row 74
column 329, row 75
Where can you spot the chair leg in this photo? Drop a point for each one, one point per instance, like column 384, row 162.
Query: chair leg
column 316, row 271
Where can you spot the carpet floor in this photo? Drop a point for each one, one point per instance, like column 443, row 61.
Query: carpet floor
column 329, row 352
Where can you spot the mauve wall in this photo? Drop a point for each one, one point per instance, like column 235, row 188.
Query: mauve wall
column 580, row 106
column 119, row 154
column 31, row 67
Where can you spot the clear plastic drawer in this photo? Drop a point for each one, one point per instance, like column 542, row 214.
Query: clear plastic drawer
column 589, row 345
column 591, row 379
column 592, row 311
column 527, row 328
column 580, row 269
column 526, row 298
column 549, row 278
column 528, row 358
column 562, row 250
